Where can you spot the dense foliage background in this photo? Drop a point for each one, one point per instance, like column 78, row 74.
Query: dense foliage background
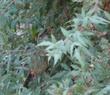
column 54, row 47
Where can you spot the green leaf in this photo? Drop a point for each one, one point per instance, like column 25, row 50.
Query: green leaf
column 45, row 43
column 72, row 47
column 65, row 32
column 53, row 39
column 98, row 20
column 107, row 15
column 80, row 59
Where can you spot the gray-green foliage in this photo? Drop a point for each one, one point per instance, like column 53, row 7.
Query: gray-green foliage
column 92, row 68
column 78, row 65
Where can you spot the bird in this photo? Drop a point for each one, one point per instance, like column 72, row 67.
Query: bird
column 39, row 65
